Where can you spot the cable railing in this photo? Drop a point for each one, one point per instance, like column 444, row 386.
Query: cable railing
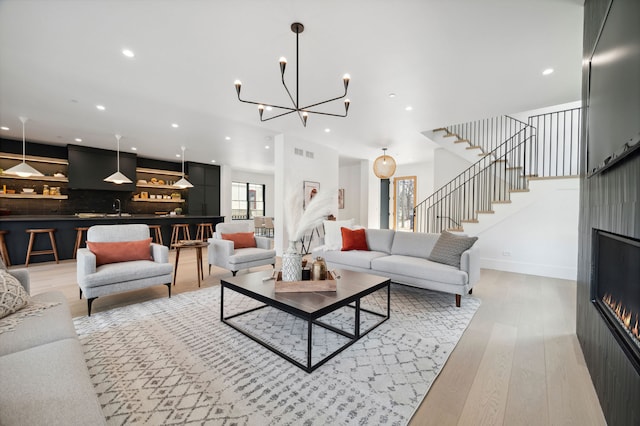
column 547, row 146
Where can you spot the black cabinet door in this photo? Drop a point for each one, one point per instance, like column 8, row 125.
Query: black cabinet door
column 212, row 176
column 196, row 173
column 196, row 203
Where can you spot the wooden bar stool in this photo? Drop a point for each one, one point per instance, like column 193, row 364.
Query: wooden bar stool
column 205, row 231
column 32, row 234
column 158, row 233
column 4, row 252
column 175, row 232
column 79, row 232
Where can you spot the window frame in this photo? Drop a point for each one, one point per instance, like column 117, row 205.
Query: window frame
column 250, row 188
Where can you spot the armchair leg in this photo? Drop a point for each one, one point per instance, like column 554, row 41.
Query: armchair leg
column 209, row 269
column 234, row 273
column 80, row 293
column 470, row 290
column 89, row 302
column 458, row 299
column 169, row 287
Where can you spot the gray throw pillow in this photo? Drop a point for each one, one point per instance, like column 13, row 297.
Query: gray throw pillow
column 450, row 247
column 13, row 296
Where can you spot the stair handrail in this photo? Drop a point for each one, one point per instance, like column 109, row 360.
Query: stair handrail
column 487, row 133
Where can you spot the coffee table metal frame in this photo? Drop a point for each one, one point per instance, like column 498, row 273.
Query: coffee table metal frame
column 310, row 316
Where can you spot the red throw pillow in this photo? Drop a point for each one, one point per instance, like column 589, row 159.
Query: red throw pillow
column 120, row 251
column 354, row 239
column 241, row 239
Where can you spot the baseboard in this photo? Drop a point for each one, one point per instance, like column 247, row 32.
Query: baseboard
column 552, row 271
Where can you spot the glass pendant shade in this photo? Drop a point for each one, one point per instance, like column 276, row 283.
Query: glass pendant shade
column 183, row 183
column 385, row 166
column 23, row 169
column 118, row 178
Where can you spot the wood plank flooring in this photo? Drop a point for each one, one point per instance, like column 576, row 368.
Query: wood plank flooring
column 518, row 362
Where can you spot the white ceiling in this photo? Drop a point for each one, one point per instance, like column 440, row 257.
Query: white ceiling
column 451, row 60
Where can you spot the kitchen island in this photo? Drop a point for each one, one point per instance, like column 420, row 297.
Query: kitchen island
column 17, row 239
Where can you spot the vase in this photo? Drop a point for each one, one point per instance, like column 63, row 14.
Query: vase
column 291, row 264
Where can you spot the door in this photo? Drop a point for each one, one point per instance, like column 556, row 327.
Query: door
column 404, row 201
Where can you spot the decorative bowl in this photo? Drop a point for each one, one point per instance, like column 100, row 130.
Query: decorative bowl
column 27, row 190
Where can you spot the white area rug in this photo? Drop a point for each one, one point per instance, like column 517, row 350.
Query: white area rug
column 171, row 361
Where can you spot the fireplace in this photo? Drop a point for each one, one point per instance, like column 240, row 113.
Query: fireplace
column 615, row 288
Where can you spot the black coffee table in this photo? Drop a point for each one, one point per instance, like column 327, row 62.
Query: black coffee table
column 311, row 306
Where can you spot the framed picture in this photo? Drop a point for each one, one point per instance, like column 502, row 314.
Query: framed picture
column 310, row 190
column 341, row 198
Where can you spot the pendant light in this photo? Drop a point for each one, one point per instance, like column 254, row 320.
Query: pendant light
column 23, row 169
column 118, row 178
column 183, row 183
column 385, row 166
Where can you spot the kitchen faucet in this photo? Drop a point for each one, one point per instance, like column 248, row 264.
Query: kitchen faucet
column 117, row 206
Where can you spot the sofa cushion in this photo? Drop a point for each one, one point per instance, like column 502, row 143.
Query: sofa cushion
column 250, row 255
column 358, row 258
column 332, row 234
column 125, row 271
column 48, row 325
column 450, row 247
column 48, row 385
column 380, row 239
column 12, row 295
column 241, row 239
column 418, row 267
column 354, row 239
column 416, row 244
column 120, row 251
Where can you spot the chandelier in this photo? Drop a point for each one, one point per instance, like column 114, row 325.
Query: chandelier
column 302, row 111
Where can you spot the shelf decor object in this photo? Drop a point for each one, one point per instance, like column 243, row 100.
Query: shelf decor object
column 118, row 178
column 23, row 169
column 302, row 111
column 385, row 166
column 183, row 183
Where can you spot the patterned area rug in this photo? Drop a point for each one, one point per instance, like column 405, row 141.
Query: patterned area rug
column 171, row 361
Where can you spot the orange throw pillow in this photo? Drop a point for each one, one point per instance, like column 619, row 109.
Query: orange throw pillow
column 354, row 239
column 120, row 251
column 241, row 239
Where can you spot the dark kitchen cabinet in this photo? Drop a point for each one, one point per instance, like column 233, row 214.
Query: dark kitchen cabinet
column 204, row 197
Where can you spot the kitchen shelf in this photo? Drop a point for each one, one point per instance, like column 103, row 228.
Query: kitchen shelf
column 48, row 160
column 37, row 178
column 37, row 196
column 158, row 172
column 156, row 200
column 158, row 186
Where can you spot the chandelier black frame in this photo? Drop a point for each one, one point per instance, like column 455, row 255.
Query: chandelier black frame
column 304, row 111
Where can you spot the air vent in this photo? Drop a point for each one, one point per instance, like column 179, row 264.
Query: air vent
column 309, row 154
column 298, row 151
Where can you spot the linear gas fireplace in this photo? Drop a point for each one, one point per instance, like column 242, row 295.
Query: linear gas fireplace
column 615, row 288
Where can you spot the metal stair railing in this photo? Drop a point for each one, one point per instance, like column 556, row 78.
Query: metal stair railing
column 487, row 133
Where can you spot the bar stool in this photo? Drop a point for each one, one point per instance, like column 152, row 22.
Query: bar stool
column 205, row 230
column 32, row 234
column 175, row 232
column 158, row 233
column 4, row 252
column 79, row 232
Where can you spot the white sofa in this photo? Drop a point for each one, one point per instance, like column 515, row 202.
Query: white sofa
column 96, row 281
column 403, row 257
column 43, row 375
column 222, row 253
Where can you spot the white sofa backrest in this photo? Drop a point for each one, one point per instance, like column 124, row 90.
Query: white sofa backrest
column 416, row 244
column 380, row 239
column 232, row 228
column 115, row 233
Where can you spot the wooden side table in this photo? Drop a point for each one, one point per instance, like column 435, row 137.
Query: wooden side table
column 198, row 245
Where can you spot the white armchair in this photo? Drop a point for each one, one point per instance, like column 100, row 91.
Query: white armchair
column 95, row 281
column 222, row 253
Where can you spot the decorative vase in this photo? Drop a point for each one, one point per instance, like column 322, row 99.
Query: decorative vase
column 291, row 264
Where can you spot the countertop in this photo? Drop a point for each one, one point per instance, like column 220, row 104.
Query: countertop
column 99, row 216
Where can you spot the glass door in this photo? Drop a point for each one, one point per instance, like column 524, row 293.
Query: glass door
column 404, row 201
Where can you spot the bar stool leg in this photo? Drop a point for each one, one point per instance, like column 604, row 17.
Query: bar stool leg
column 31, row 237
column 4, row 251
column 159, row 236
column 53, row 245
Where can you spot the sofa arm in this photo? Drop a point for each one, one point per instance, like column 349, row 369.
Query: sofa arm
column 263, row 242
column 159, row 253
column 470, row 263
column 85, row 264
column 218, row 251
column 22, row 275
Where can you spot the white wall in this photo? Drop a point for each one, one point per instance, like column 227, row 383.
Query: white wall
column 446, row 167
column 349, row 180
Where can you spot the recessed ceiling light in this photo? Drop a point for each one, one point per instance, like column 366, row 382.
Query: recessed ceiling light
column 128, row 53
column 78, row 139
column 227, row 138
column 100, row 107
column 178, row 155
column 327, row 130
column 213, row 161
column 175, row 125
column 133, row 148
column 4, row 128
column 409, row 108
column 547, row 71
column 267, row 147
column 392, row 95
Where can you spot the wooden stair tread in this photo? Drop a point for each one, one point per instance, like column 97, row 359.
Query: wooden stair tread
column 470, row 221
column 455, row 229
column 441, row 129
column 461, row 141
column 451, row 135
column 485, row 212
column 474, row 147
column 499, row 161
column 514, row 168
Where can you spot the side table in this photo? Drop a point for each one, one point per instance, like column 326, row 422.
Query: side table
column 198, row 245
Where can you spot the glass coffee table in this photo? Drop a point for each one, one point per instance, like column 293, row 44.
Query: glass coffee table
column 310, row 307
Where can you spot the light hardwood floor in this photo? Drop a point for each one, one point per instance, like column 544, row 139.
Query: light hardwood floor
column 518, row 363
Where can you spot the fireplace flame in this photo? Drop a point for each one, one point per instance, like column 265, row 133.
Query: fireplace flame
column 626, row 317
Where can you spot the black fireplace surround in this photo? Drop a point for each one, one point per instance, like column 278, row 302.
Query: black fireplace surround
column 615, row 288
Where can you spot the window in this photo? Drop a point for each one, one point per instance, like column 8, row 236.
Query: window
column 247, row 200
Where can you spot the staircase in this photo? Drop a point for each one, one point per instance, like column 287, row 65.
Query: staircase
column 506, row 154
